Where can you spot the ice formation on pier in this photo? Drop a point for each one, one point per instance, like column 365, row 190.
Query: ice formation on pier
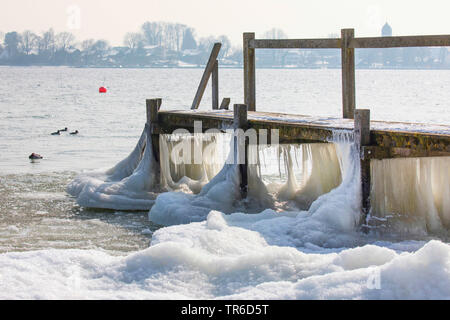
column 129, row 185
column 135, row 182
column 407, row 194
column 412, row 194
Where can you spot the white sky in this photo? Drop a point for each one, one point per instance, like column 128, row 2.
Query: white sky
column 111, row 19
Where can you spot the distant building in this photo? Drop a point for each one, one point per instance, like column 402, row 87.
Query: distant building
column 388, row 56
column 386, row 31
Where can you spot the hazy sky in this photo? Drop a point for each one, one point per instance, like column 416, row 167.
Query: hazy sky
column 111, row 19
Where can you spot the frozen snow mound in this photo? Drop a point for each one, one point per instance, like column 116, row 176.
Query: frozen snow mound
column 221, row 193
column 129, row 185
column 221, row 259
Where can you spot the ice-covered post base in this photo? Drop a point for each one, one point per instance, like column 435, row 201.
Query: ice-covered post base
column 153, row 106
column 241, row 145
column 362, row 138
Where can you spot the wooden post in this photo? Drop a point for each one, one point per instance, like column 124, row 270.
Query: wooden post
column 249, row 72
column 215, row 86
column 152, row 120
column 240, row 116
column 348, row 73
column 206, row 74
column 241, row 145
column 362, row 138
column 159, row 102
column 225, row 103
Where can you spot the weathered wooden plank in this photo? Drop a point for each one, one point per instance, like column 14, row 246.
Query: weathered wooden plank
column 348, row 74
column 159, row 102
column 362, row 127
column 379, row 153
column 309, row 129
column 240, row 121
column 422, row 144
column 362, row 138
column 206, row 74
column 288, row 132
column 153, row 121
column 215, row 86
column 152, row 111
column 295, row 43
column 225, row 103
column 402, row 41
column 249, row 71
column 361, row 42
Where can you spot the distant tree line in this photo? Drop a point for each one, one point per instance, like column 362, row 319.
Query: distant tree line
column 156, row 43
column 164, row 44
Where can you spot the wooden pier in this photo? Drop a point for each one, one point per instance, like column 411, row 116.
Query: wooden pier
column 375, row 139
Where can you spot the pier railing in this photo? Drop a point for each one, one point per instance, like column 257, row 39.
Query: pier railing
column 347, row 43
column 211, row 70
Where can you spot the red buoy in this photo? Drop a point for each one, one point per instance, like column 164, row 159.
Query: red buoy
column 102, row 90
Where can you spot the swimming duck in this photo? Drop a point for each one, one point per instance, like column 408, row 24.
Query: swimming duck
column 56, row 133
column 35, row 156
column 75, row 132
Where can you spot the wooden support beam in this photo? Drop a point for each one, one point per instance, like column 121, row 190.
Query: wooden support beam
column 295, row 43
column 153, row 121
column 240, row 118
column 380, row 153
column 152, row 111
column 206, row 74
column 394, row 143
column 362, row 138
column 215, row 86
column 402, row 41
column 159, row 102
column 364, row 42
column 348, row 74
column 249, row 71
column 240, row 121
column 225, row 103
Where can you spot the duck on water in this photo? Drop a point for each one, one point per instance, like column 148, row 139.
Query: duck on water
column 34, row 156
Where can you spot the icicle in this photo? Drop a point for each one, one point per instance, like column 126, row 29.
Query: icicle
column 414, row 191
column 188, row 175
column 288, row 190
column 320, row 173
